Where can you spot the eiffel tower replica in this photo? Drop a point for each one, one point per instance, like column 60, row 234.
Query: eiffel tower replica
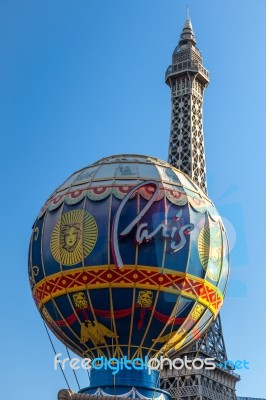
column 188, row 79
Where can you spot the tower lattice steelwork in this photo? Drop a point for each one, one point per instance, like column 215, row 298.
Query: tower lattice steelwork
column 187, row 79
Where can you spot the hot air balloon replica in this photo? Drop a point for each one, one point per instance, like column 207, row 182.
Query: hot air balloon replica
column 128, row 258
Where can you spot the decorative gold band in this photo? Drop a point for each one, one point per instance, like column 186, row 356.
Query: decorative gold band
column 130, row 276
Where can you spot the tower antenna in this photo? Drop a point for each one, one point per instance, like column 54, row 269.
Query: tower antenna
column 188, row 17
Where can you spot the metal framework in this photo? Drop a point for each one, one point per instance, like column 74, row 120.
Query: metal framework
column 188, row 79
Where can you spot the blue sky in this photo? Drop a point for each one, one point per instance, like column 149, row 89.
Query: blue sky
column 80, row 80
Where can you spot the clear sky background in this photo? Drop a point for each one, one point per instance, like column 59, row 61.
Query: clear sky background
column 84, row 79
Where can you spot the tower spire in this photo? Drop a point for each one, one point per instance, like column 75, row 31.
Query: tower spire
column 187, row 35
column 187, row 79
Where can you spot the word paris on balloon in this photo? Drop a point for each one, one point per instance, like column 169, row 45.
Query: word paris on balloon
column 177, row 237
column 148, row 364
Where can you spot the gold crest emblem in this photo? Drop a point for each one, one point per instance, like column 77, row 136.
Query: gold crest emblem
column 74, row 237
column 196, row 313
column 80, row 300
column 145, row 298
column 46, row 315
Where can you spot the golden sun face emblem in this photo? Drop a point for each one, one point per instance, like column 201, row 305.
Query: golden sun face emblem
column 210, row 246
column 74, row 237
